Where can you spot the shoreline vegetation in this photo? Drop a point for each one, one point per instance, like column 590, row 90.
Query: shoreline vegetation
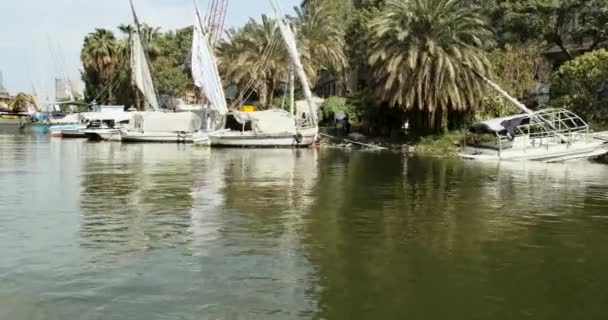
column 387, row 65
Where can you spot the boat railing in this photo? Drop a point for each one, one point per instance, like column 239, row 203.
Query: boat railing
column 546, row 127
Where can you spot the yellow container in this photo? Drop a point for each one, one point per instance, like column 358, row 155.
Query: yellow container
column 248, row 108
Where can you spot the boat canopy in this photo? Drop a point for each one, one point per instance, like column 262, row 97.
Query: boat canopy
column 500, row 125
column 274, row 121
column 106, row 116
column 165, row 122
column 303, row 109
column 107, row 108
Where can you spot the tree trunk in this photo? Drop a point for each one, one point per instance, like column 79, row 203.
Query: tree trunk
column 271, row 94
column 263, row 93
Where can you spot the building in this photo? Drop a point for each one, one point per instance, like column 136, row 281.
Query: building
column 5, row 97
column 67, row 89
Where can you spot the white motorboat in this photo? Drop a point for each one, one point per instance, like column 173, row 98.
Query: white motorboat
column 550, row 135
column 105, row 126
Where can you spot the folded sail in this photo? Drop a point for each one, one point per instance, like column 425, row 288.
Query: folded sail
column 141, row 72
column 204, row 69
column 290, row 42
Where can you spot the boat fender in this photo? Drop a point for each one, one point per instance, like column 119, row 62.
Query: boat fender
column 298, row 137
column 181, row 136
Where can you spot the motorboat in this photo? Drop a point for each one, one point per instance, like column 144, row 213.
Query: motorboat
column 549, row 135
column 106, row 125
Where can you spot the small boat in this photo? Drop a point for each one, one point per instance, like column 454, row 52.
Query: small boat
column 549, row 135
column 269, row 128
column 161, row 127
column 154, row 125
column 13, row 122
column 105, row 126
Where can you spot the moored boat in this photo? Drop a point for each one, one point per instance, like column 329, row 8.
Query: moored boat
column 549, row 135
column 13, row 122
column 161, row 127
column 270, row 128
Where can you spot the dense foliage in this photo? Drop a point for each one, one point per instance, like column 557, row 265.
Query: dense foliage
column 582, row 84
column 106, row 64
column 516, row 70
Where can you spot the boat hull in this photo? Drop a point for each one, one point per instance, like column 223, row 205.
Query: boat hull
column 68, row 131
column 156, row 137
column 248, row 139
column 103, row 134
column 585, row 149
column 13, row 124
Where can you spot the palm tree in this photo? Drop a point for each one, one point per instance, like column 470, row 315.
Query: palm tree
column 21, row 102
column 256, row 55
column 255, row 58
column 425, row 54
column 321, row 38
column 99, row 59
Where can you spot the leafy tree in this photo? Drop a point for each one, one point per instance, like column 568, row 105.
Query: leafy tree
column 321, row 40
column 99, row 58
column 171, row 66
column 579, row 82
column 425, row 54
column 558, row 22
column 515, row 69
column 254, row 56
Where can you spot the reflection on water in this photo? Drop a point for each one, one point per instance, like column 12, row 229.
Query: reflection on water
column 103, row 230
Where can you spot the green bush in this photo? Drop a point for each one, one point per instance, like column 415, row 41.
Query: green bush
column 334, row 104
column 577, row 83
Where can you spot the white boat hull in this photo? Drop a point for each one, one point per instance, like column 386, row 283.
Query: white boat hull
column 103, row 134
column 68, row 133
column 584, row 149
column 158, row 137
column 248, row 139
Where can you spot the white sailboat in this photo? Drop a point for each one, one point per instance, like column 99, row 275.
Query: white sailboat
column 269, row 128
column 155, row 125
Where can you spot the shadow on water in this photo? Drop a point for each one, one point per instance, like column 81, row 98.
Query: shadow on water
column 435, row 239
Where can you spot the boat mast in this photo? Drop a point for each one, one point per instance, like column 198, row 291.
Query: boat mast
column 290, row 43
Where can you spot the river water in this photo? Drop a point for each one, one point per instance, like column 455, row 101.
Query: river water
column 115, row 231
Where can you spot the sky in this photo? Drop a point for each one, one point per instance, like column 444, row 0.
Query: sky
column 40, row 40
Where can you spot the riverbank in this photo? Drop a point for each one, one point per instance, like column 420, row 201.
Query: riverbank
column 445, row 145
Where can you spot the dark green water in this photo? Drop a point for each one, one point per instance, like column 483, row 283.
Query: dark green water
column 111, row 231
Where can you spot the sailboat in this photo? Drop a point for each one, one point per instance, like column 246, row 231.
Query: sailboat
column 155, row 125
column 269, row 128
